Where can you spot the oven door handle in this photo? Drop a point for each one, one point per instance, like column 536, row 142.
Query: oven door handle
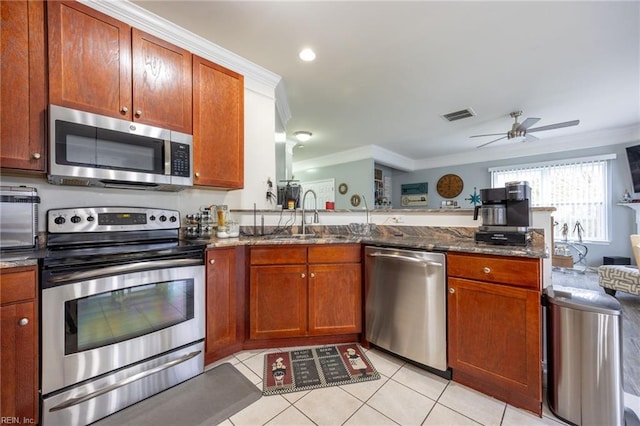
column 80, row 399
column 124, row 269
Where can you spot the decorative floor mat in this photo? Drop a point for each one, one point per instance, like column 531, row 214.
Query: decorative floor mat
column 312, row 368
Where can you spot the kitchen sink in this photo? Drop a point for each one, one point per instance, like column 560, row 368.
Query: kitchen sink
column 302, row 236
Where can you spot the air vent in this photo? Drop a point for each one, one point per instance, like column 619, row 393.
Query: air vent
column 459, row 115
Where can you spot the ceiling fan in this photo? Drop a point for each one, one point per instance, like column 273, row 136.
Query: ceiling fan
column 522, row 129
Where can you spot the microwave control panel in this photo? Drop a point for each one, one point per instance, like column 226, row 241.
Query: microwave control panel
column 180, row 159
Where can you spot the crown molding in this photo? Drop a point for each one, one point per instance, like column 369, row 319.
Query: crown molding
column 547, row 146
column 257, row 78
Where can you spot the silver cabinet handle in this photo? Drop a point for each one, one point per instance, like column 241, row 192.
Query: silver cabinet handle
column 405, row 259
column 124, row 110
column 138, row 113
column 302, row 275
column 452, row 290
column 79, row 400
column 197, row 174
column 23, row 322
column 313, row 275
column 212, row 261
column 486, row 270
column 36, row 156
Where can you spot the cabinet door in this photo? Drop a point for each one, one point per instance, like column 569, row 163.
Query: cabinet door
column 23, row 99
column 161, row 83
column 278, row 301
column 221, row 298
column 218, row 125
column 19, row 344
column 335, row 299
column 495, row 340
column 89, row 60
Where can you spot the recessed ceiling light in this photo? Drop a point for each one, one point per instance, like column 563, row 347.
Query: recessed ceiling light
column 307, row 55
column 302, row 135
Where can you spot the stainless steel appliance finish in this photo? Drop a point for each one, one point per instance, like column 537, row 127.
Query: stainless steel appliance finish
column 405, row 308
column 93, row 150
column 121, row 299
column 584, row 355
column 18, row 217
column 506, row 214
column 61, row 369
column 98, row 398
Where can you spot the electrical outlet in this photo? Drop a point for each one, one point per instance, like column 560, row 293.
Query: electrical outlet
column 396, row 219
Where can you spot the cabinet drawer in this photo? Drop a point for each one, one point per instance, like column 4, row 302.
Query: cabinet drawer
column 278, row 255
column 516, row 271
column 18, row 284
column 334, row 253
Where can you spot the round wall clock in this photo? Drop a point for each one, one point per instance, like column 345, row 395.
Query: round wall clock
column 449, row 186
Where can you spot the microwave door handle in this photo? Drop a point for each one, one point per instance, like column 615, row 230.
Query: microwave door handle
column 167, row 157
column 79, row 400
column 122, row 269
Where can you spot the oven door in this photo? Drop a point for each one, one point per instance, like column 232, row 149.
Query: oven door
column 96, row 325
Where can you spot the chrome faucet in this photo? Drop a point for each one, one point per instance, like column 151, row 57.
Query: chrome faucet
column 315, row 207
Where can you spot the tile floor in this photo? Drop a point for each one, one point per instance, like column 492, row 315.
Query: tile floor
column 405, row 395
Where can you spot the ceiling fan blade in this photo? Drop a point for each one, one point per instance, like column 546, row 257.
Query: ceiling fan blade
column 528, row 123
column 530, row 138
column 555, row 126
column 495, row 140
column 490, row 134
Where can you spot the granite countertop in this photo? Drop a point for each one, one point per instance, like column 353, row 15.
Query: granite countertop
column 432, row 239
column 444, row 239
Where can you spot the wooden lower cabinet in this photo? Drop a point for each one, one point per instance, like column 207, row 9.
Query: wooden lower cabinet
column 335, row 298
column 224, row 302
column 305, row 291
column 19, row 344
column 278, row 301
column 494, row 334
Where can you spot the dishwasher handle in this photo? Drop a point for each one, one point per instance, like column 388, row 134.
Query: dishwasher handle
column 405, row 259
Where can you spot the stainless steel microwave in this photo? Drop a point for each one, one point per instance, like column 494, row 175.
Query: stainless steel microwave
column 94, row 150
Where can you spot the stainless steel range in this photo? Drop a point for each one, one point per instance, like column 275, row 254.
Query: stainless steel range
column 122, row 310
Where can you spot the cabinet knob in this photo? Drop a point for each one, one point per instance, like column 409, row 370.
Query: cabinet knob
column 36, row 156
column 23, row 321
column 486, row 270
column 313, row 275
column 452, row 290
column 138, row 113
column 302, row 275
column 197, row 174
column 124, row 110
column 212, row 261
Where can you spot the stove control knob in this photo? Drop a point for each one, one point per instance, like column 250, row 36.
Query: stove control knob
column 173, row 219
column 76, row 219
column 152, row 218
column 91, row 219
column 59, row 220
column 163, row 218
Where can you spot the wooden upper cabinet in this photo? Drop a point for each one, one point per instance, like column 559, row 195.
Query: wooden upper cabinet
column 24, row 86
column 89, row 60
column 161, row 83
column 101, row 65
column 218, row 125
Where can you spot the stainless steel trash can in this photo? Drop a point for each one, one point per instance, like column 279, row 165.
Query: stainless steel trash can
column 584, row 356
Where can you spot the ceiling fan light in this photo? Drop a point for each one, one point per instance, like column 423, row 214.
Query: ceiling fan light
column 302, row 135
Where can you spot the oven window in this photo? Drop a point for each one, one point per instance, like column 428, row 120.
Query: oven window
column 119, row 315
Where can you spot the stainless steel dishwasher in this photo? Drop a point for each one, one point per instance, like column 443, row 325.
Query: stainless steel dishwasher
column 405, row 307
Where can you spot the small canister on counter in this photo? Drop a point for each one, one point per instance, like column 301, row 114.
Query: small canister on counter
column 222, row 211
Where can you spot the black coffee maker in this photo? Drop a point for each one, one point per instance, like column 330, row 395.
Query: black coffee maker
column 506, row 214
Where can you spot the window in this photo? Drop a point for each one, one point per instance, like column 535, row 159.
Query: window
column 577, row 188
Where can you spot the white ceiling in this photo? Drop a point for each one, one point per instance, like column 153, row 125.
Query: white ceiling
column 386, row 71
